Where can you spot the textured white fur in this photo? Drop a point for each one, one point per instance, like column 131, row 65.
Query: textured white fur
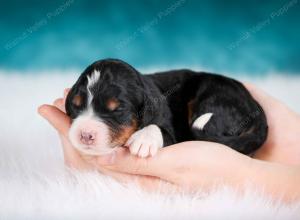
column 92, row 80
column 34, row 184
column 90, row 123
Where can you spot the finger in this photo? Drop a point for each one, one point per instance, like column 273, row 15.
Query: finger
column 153, row 184
column 59, row 120
column 148, row 183
column 122, row 161
column 261, row 96
column 59, row 103
column 268, row 103
column 63, row 102
column 66, row 92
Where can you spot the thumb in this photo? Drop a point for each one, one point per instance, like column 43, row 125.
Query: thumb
column 59, row 120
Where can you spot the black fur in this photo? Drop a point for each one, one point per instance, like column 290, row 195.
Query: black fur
column 166, row 98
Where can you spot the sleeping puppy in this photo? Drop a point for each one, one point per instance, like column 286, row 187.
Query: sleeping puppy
column 113, row 105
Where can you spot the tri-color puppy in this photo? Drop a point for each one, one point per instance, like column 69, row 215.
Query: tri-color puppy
column 113, row 105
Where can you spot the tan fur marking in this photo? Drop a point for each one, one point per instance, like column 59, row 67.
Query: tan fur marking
column 77, row 100
column 112, row 104
column 125, row 132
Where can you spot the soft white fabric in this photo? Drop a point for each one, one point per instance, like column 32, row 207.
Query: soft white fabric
column 35, row 185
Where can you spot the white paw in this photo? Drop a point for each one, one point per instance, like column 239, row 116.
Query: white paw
column 146, row 141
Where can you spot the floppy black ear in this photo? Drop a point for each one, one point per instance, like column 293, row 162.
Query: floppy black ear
column 157, row 111
column 150, row 100
column 79, row 88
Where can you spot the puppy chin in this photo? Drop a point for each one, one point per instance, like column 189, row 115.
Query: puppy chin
column 93, row 151
column 101, row 143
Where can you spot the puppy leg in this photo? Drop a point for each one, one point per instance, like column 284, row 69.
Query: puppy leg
column 146, row 141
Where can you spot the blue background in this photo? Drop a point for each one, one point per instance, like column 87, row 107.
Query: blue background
column 223, row 36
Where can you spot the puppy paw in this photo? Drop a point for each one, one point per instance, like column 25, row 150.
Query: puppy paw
column 146, row 141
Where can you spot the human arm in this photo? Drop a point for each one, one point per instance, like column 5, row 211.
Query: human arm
column 203, row 165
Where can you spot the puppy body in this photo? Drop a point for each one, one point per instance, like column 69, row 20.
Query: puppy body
column 223, row 108
column 146, row 112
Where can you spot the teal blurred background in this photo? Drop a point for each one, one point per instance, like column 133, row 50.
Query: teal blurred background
column 254, row 37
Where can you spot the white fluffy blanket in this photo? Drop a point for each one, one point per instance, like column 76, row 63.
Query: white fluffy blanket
column 35, row 185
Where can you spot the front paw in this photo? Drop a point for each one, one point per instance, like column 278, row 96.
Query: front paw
column 146, row 141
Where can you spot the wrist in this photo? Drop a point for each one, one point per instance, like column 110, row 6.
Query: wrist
column 275, row 180
column 239, row 173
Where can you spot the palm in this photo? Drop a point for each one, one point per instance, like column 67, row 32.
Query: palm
column 282, row 142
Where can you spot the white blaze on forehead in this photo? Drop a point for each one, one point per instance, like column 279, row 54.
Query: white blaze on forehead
column 201, row 121
column 92, row 80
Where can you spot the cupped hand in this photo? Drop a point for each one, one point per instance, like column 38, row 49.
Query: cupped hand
column 191, row 165
column 56, row 116
column 175, row 165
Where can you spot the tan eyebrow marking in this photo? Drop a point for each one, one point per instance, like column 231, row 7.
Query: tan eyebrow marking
column 77, row 100
column 112, row 104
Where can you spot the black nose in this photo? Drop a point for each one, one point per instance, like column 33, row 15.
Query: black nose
column 87, row 138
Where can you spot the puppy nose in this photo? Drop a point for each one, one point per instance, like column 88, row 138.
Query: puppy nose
column 87, row 138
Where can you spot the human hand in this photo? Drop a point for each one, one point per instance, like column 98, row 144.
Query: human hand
column 175, row 164
column 56, row 116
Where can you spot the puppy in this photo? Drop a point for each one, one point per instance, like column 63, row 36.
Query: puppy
column 113, row 105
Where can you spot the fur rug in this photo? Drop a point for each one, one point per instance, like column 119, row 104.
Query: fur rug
column 34, row 183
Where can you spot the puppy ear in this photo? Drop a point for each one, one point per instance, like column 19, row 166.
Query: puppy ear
column 137, row 97
column 76, row 90
column 70, row 102
column 153, row 104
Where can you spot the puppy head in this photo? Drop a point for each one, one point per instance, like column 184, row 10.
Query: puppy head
column 103, row 106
